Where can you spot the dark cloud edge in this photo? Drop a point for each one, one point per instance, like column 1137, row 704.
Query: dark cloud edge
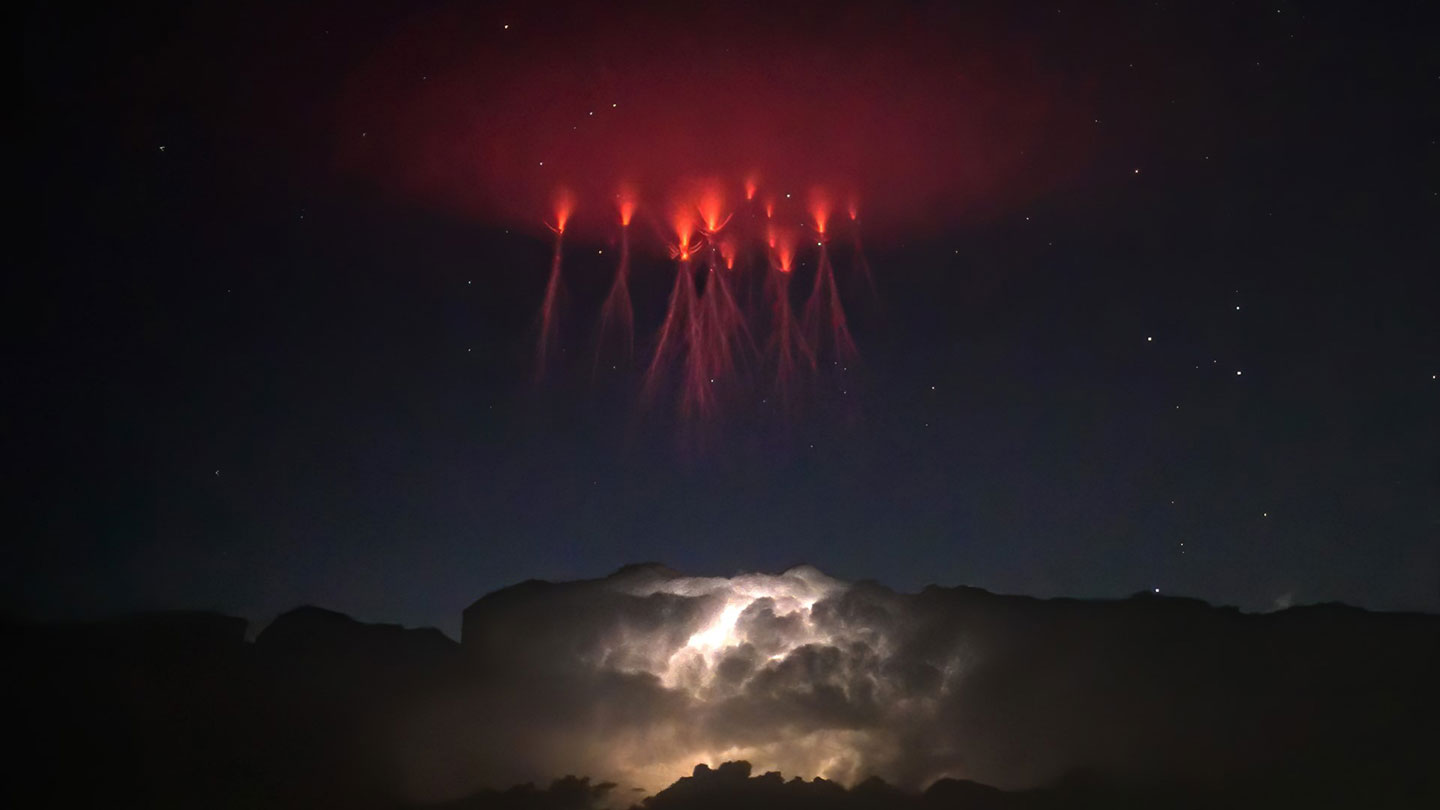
column 99, row 698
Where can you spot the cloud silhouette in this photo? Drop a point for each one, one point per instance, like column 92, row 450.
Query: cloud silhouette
column 637, row 676
column 631, row 679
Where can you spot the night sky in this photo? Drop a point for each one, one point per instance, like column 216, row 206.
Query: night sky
column 1157, row 294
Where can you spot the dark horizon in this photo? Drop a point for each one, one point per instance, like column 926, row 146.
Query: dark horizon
column 870, row 698
column 451, row 627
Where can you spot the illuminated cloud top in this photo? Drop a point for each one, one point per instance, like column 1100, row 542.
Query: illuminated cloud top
column 779, row 669
column 751, row 619
column 638, row 676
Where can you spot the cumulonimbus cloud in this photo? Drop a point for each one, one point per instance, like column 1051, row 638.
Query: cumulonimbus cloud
column 638, row 676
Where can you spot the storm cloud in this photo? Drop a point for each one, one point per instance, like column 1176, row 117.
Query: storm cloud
column 633, row 679
column 636, row 677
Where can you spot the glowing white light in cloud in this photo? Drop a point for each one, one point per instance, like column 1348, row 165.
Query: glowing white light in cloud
column 789, row 596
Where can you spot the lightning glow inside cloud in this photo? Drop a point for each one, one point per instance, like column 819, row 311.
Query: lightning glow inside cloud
column 773, row 669
column 638, row 676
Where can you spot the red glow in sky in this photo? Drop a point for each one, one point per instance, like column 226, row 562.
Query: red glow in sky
column 933, row 123
column 784, row 244
column 728, row 252
column 683, row 222
column 711, row 205
column 626, row 202
column 564, row 205
column 819, row 209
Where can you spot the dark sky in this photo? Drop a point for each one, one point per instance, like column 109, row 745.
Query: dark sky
column 259, row 366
